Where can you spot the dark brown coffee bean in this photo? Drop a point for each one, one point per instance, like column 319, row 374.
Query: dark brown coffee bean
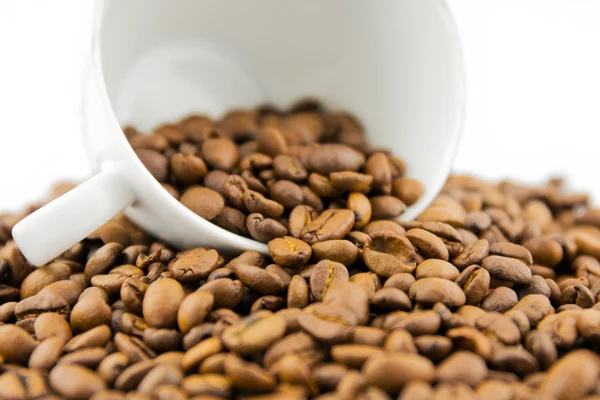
column 215, row 180
column 289, row 168
column 270, row 141
column 434, row 347
column 508, row 269
column 195, row 264
column 324, row 275
column 249, row 377
column 286, row 193
column 203, row 201
column 233, row 220
column 289, row 252
column 187, row 169
column 134, row 348
column 544, row 251
column 156, row 163
column 220, row 153
column 161, row 302
column 391, row 254
column 264, row 229
column 391, row 372
column 74, row 381
column 227, row 293
column 160, row 375
column 475, row 283
column 469, row 338
column 269, row 302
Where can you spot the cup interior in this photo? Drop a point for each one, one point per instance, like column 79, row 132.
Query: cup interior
column 396, row 65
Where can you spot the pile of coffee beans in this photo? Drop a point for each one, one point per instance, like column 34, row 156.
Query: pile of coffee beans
column 264, row 172
column 491, row 293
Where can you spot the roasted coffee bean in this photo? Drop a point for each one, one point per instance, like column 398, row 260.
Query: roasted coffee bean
column 369, row 281
column 401, row 281
column 74, row 381
column 475, row 283
column 193, row 310
column 508, row 269
column 203, row 201
column 434, row 347
column 462, row 366
column 386, row 207
column 95, row 337
column 326, row 272
column 433, row 290
column 329, row 323
column 161, row 302
column 227, row 293
column 156, row 163
column 500, row 300
column 391, row 372
column 42, row 277
column 259, row 279
column 331, row 224
column 264, row 229
column 390, row 299
column 342, row 251
column 195, row 264
column 391, row 253
column 46, row 353
column 289, row 252
column 254, row 333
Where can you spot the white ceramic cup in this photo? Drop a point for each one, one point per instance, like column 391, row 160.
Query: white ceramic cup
column 396, row 64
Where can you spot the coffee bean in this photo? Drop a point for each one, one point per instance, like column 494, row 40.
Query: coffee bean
column 407, row 189
column 392, row 253
column 326, row 272
column 161, row 302
column 369, row 281
column 434, row 347
column 331, row 224
column 401, row 281
column 289, row 252
column 535, row 307
column 155, row 163
column 220, row 153
column 286, row 193
column 508, row 269
column 342, row 251
column 16, row 345
column 541, row 346
column 350, row 181
column 254, row 333
column 203, row 201
column 264, row 229
column 95, row 337
column 391, row 372
column 474, row 254
column 193, row 310
column 475, row 283
column 195, row 264
column 187, row 169
column 417, row 323
column 42, row 277
column 436, row 268
column 572, row 376
column 329, row 323
column 227, row 293
column 46, row 353
column 160, row 375
column 259, row 279
column 257, row 203
column 215, row 180
column 300, row 216
column 74, row 381
column 500, row 300
column 428, row 244
column 390, row 299
column 386, row 207
column 162, row 340
column 133, row 347
column 329, row 158
column 89, row 357
column 433, row 290
column 298, row 292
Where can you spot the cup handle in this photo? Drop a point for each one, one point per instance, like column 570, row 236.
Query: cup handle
column 54, row 228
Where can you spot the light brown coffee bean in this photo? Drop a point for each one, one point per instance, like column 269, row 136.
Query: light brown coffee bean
column 50, row 325
column 544, row 251
column 227, row 293
column 434, row 347
column 475, row 283
column 473, row 254
column 433, row 290
column 469, row 338
column 376, row 226
column 162, row 340
column 257, row 203
column 512, row 250
column 408, row 190
column 416, row 390
column 390, row 299
column 428, row 244
column 155, row 163
column 298, row 292
column 151, row 142
column 207, row 386
column 368, row 281
column 322, row 186
column 330, row 323
column 264, row 229
column 417, row 323
column 233, row 190
column 541, row 346
column 203, row 201
column 193, row 310
column 289, row 252
column 233, row 220
column 89, row 357
column 436, row 268
column 360, row 205
column 220, row 153
column 386, row 207
column 74, row 381
column 195, row 264
column 215, row 180
column 572, row 376
column 300, row 216
column 89, row 313
column 161, row 302
column 508, row 269
column 259, row 279
column 188, row 169
column 331, row 224
column 160, row 375
column 391, row 372
column 350, row 181
column 46, row 353
column 326, row 273
column 402, row 281
column 42, row 277
column 270, row 141
column 535, row 307
column 500, row 300
column 342, row 251
column 289, row 168
column 95, row 337
column 462, row 366
column 247, row 376
column 254, row 333
column 329, row 158
column 391, row 254
column 134, row 348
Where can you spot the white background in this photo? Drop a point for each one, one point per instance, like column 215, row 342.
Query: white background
column 533, row 75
